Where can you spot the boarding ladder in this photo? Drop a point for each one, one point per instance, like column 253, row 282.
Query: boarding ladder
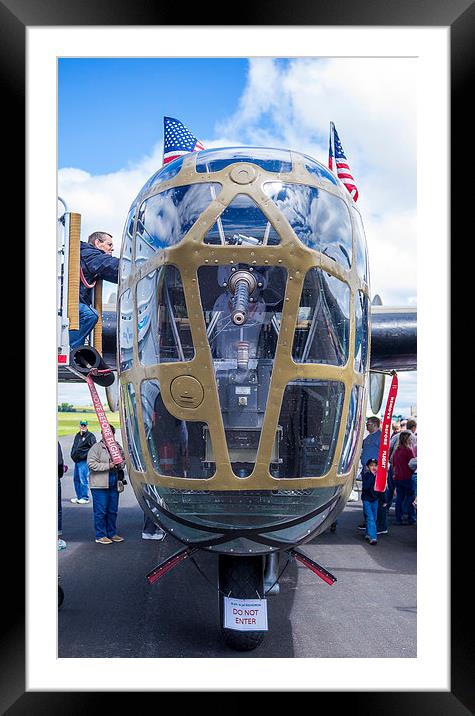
column 68, row 283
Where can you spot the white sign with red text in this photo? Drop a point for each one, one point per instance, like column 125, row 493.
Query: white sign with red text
column 245, row 614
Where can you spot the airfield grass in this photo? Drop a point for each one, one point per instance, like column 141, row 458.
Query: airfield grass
column 68, row 423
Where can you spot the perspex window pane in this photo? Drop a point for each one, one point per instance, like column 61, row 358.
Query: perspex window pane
column 308, row 424
column 165, row 173
column 132, row 427
column 177, row 447
column 126, row 335
column 361, row 252
column 272, row 160
column 319, row 170
column 352, row 430
column 361, row 333
column 163, row 327
column 165, row 218
column 243, row 355
column 323, row 323
column 242, row 223
column 126, row 253
column 320, row 220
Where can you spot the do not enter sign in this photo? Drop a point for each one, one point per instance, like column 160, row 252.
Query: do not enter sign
column 245, row 614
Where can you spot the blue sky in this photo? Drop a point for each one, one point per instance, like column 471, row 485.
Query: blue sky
column 111, row 110
column 110, row 140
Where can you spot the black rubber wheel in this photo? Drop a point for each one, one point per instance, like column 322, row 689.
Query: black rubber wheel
column 60, row 596
column 240, row 577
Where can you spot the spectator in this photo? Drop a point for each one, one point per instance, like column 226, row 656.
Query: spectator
column 393, row 440
column 395, row 429
column 413, row 466
column 83, row 441
column 370, row 500
column 105, row 487
column 412, row 426
column 151, row 530
column 97, row 262
column 403, row 453
column 370, row 448
column 61, row 470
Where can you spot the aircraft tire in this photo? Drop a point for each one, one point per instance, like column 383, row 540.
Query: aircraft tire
column 60, row 596
column 240, row 577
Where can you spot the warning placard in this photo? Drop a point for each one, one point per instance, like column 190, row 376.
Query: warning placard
column 245, row 614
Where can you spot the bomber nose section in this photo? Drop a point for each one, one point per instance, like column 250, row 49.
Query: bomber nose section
column 243, row 342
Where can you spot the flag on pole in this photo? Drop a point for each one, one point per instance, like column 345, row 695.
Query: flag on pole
column 178, row 140
column 338, row 163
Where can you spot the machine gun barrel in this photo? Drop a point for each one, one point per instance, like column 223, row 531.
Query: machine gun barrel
column 242, row 284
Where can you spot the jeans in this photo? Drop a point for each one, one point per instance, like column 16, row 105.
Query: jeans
column 414, row 483
column 370, row 510
column 390, row 487
column 60, row 509
column 149, row 526
column 105, row 505
column 382, row 518
column 404, row 499
column 81, row 480
column 87, row 320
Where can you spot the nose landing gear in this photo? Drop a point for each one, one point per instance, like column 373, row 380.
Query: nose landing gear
column 240, row 577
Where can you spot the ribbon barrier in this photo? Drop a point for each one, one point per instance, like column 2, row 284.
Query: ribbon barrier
column 107, row 434
column 383, row 462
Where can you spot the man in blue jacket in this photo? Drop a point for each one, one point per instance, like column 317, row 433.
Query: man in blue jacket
column 370, row 451
column 97, row 262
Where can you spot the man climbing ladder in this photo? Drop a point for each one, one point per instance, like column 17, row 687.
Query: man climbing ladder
column 96, row 263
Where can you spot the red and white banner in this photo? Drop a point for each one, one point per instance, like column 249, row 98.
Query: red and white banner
column 107, row 434
column 383, row 456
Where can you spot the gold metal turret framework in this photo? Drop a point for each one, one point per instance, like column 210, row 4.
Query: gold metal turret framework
column 188, row 256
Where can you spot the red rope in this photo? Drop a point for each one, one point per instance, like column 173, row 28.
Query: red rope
column 83, row 279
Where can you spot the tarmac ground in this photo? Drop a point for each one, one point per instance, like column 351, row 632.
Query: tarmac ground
column 110, row 610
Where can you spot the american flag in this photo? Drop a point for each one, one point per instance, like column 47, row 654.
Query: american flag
column 178, row 140
column 338, row 163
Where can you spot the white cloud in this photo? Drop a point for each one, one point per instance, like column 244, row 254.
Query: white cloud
column 392, row 257
column 373, row 105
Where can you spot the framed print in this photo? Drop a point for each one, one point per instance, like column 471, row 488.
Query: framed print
column 36, row 37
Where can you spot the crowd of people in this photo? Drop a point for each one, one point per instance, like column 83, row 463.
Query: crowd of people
column 95, row 472
column 401, row 483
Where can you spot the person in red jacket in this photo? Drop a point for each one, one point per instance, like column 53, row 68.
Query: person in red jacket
column 403, row 478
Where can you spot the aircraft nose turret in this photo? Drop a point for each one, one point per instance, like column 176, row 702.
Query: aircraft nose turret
column 243, row 342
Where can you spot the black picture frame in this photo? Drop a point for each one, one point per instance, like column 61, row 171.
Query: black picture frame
column 15, row 17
